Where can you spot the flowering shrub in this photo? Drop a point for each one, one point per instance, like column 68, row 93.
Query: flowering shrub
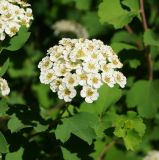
column 92, row 101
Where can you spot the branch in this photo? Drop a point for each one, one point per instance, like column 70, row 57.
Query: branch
column 106, row 148
column 145, row 26
column 143, row 15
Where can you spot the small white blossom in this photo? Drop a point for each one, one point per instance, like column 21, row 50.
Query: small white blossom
column 91, row 67
column 89, row 94
column 45, row 64
column 115, row 62
column 108, row 79
column 80, row 62
column 47, row 77
column 66, row 93
column 4, row 88
column 70, row 80
column 54, row 85
column 94, row 80
column 82, row 76
column 120, row 79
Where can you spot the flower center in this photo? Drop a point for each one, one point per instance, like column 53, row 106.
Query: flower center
column 89, row 92
column 67, row 91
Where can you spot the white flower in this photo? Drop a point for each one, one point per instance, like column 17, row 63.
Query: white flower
column 120, row 79
column 89, row 94
column 152, row 155
column 54, row 85
column 94, row 80
column 4, row 89
column 115, row 62
column 108, row 79
column 82, row 76
column 60, row 70
column 95, row 56
column 66, row 93
column 106, row 67
column 12, row 29
column 80, row 62
column 70, row 80
column 45, row 64
column 77, row 54
column 47, row 76
column 91, row 67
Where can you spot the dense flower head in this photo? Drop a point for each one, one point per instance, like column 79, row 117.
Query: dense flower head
column 4, row 89
column 80, row 62
column 13, row 15
column 152, row 155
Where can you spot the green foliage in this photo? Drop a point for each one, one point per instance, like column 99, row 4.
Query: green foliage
column 119, row 16
column 15, row 124
column 144, row 95
column 108, row 96
column 15, row 155
column 149, row 38
column 130, row 127
column 4, row 68
column 19, row 40
column 3, row 144
column 68, row 155
column 82, row 125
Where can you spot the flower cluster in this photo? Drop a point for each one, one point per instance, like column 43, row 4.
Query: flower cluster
column 13, row 15
column 70, row 26
column 152, row 155
column 80, row 62
column 4, row 89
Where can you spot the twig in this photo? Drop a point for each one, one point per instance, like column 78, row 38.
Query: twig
column 145, row 26
column 143, row 15
column 106, row 148
column 129, row 29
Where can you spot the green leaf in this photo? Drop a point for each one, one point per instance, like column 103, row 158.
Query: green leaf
column 43, row 97
column 3, row 107
column 131, row 140
column 144, row 95
column 134, row 63
column 107, row 97
column 4, row 68
column 124, row 36
column 125, row 126
column 91, row 19
column 4, row 147
column 149, row 38
column 15, row 155
column 40, row 128
column 119, row 46
column 15, row 124
column 68, row 155
column 133, row 5
column 82, row 125
column 19, row 40
column 111, row 12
